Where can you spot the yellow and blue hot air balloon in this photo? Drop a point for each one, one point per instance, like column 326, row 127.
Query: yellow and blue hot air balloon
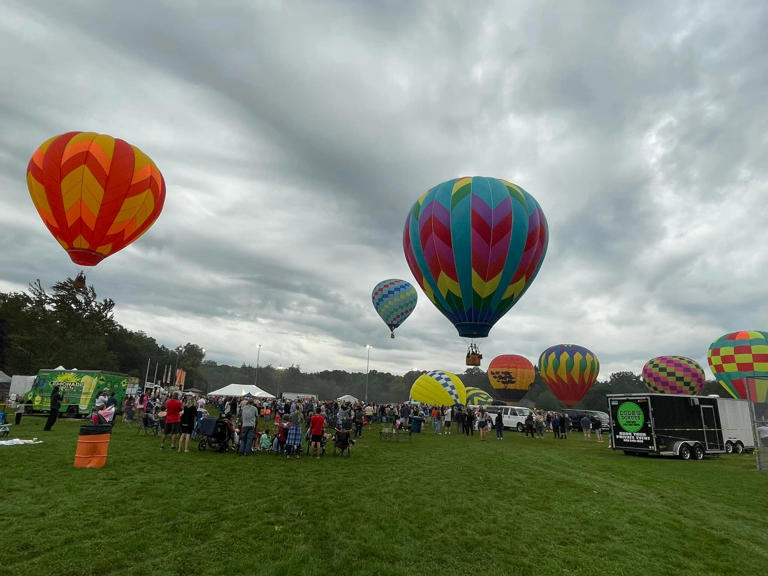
column 475, row 246
column 439, row 388
column 394, row 300
column 478, row 397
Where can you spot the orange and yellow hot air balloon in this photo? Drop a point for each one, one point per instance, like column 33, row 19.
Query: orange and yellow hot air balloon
column 96, row 194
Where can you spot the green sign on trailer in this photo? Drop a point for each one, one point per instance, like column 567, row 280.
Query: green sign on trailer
column 79, row 387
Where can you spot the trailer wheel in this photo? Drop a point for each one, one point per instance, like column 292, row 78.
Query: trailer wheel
column 684, row 452
column 520, row 427
column 698, row 452
column 729, row 447
column 738, row 448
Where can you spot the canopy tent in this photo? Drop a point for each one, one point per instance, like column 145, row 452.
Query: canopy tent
column 240, row 391
column 4, row 378
column 347, row 398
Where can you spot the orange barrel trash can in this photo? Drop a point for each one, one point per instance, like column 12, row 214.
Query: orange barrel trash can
column 92, row 445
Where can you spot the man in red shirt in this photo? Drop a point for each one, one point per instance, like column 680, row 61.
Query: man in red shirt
column 173, row 410
column 316, row 427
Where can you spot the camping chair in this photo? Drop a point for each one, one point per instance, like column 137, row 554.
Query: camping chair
column 149, row 424
column 342, row 442
column 5, row 430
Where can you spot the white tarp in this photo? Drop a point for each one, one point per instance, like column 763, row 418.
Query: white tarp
column 240, row 390
column 20, row 385
column 347, row 398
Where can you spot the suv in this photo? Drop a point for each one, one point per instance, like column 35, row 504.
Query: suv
column 594, row 415
column 512, row 416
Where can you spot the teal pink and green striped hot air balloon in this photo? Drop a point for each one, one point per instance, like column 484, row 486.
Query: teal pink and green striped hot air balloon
column 394, row 300
column 475, row 246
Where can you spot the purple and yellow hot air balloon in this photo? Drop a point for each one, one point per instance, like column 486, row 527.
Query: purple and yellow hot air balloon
column 474, row 246
column 673, row 375
column 570, row 371
column 739, row 358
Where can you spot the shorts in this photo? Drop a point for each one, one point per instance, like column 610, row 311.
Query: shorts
column 317, row 438
column 187, row 428
column 172, row 428
column 447, row 423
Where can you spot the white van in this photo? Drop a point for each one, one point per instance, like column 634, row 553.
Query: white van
column 512, row 416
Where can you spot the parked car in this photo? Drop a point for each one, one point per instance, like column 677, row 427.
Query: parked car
column 512, row 416
column 598, row 418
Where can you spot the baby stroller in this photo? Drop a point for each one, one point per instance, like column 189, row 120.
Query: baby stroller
column 342, row 442
column 323, row 442
column 216, row 433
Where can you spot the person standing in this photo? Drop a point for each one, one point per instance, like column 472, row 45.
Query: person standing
column 499, row 424
column 316, row 429
column 293, row 442
column 586, row 426
column 597, row 426
column 19, row 410
column 447, row 416
column 248, row 415
column 482, row 424
column 173, row 408
column 56, row 398
column 188, row 417
column 529, row 427
column 556, row 425
column 565, row 424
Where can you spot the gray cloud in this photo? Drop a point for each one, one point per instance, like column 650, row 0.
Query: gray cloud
column 295, row 137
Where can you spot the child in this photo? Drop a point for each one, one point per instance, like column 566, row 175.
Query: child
column 264, row 441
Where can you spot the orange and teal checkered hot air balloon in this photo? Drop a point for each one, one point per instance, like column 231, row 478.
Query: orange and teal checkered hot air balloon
column 475, row 246
column 673, row 375
column 569, row 371
column 738, row 358
column 511, row 376
column 96, row 194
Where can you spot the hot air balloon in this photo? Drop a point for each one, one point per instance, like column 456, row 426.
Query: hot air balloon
column 96, row 194
column 394, row 300
column 569, row 371
column 738, row 358
column 673, row 375
column 474, row 246
column 511, row 376
column 439, row 388
column 478, row 397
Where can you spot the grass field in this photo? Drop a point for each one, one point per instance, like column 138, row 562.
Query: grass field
column 435, row 505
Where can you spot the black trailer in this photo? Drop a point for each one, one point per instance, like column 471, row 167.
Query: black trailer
column 667, row 425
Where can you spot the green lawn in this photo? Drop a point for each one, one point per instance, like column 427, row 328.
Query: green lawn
column 435, row 505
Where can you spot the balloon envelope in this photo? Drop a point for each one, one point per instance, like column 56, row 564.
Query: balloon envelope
column 96, row 194
column 673, row 375
column 478, row 396
column 738, row 358
column 570, row 371
column 439, row 388
column 511, row 376
column 394, row 300
column 474, row 246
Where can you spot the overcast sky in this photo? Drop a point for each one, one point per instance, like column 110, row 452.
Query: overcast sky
column 294, row 137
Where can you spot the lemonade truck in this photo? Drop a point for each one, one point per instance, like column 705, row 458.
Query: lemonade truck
column 80, row 389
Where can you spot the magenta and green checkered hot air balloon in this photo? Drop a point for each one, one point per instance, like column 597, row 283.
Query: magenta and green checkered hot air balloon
column 673, row 375
column 474, row 246
column 394, row 300
column 739, row 358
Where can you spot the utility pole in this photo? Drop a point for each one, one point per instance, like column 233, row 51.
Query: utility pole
column 367, row 369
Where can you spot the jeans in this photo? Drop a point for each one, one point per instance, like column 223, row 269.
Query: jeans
column 436, row 423
column 246, row 440
column 499, row 432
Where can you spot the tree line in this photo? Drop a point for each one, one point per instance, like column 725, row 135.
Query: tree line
column 69, row 326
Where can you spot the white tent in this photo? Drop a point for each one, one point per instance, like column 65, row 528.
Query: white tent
column 347, row 398
column 240, row 390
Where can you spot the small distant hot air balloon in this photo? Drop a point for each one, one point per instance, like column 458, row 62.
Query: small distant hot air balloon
column 569, row 371
column 394, row 300
column 738, row 358
column 478, row 397
column 475, row 246
column 673, row 375
column 96, row 194
column 439, row 388
column 511, row 376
